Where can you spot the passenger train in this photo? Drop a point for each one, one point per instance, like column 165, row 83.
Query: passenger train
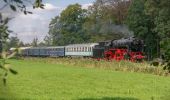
column 122, row 49
column 73, row 50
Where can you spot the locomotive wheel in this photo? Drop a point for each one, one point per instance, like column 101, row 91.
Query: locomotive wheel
column 126, row 56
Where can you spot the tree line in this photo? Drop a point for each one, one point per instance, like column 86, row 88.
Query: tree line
column 148, row 20
column 102, row 21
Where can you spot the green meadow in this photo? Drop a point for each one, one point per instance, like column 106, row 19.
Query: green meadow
column 44, row 80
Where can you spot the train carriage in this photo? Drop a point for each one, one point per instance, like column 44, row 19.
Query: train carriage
column 80, row 50
column 25, row 51
column 43, row 52
column 58, row 51
column 33, row 51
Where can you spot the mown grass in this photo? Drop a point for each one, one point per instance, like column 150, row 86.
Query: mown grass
column 45, row 80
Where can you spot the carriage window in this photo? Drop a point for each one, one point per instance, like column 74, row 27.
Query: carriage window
column 82, row 49
column 75, row 49
column 85, row 49
column 79, row 49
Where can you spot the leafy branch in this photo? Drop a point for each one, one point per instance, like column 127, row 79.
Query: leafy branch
column 16, row 5
column 6, row 66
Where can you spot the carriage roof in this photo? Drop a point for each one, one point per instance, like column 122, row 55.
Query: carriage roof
column 82, row 45
column 51, row 47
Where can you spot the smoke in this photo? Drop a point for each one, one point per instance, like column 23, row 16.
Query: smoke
column 122, row 30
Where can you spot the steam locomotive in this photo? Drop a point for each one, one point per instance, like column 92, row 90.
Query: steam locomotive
column 122, row 49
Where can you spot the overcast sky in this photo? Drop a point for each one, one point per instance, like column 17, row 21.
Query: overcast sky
column 28, row 27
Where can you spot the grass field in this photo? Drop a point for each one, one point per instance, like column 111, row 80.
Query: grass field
column 37, row 80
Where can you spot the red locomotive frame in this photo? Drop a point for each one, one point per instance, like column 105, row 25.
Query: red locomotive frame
column 123, row 54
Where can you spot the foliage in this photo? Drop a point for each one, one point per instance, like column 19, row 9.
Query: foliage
column 160, row 10
column 35, row 42
column 67, row 28
column 46, row 80
column 13, row 42
column 142, row 25
column 102, row 21
column 48, row 41
column 19, row 5
column 6, row 66
column 4, row 31
column 149, row 19
column 105, row 20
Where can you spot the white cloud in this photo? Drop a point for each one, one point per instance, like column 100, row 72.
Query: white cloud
column 27, row 27
column 85, row 6
column 49, row 6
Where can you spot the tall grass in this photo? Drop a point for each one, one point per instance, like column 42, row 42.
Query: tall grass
column 125, row 66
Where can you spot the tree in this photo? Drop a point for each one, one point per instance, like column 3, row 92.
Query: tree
column 160, row 10
column 68, row 27
column 55, row 34
column 13, row 42
column 4, row 32
column 35, row 42
column 119, row 9
column 142, row 25
column 48, row 41
column 106, row 20
column 21, row 44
